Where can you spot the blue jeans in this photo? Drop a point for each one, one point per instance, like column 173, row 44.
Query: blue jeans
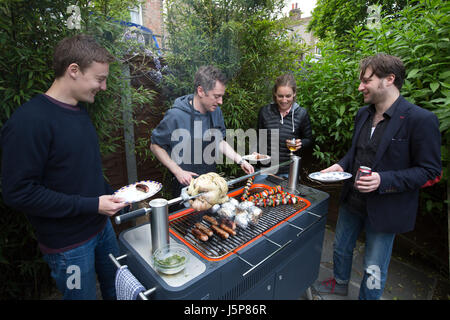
column 75, row 270
column 378, row 250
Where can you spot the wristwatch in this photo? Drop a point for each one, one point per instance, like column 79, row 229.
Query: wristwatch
column 240, row 161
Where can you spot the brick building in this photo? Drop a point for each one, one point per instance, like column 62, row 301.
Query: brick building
column 150, row 15
column 298, row 27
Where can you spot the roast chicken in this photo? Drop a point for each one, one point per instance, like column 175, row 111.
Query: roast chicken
column 215, row 188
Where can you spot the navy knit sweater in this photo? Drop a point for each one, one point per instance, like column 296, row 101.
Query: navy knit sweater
column 51, row 170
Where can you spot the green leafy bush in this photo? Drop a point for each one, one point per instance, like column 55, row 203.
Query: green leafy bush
column 328, row 90
column 245, row 39
column 418, row 35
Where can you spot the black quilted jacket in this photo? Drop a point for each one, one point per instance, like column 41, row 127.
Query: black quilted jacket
column 295, row 124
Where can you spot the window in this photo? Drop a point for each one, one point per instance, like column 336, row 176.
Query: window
column 136, row 15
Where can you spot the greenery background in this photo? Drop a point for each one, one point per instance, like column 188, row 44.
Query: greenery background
column 252, row 45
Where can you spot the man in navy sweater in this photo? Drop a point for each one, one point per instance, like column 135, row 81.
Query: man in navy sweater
column 51, row 171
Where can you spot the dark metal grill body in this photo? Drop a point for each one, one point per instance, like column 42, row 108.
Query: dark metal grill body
column 277, row 259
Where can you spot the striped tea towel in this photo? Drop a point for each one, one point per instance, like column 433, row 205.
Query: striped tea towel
column 127, row 286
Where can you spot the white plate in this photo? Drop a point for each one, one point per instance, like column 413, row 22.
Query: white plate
column 130, row 194
column 330, row 176
column 252, row 157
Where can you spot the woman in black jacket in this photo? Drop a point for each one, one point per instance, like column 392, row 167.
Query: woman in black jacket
column 285, row 117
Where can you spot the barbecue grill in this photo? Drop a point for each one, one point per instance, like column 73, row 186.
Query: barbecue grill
column 278, row 258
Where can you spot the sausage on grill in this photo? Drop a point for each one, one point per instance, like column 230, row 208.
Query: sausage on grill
column 211, row 220
column 204, row 229
column 199, row 235
column 221, row 233
column 227, row 229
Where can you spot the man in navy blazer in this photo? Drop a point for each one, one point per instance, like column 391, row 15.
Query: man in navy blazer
column 401, row 143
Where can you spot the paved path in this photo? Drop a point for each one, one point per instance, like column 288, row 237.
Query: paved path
column 404, row 282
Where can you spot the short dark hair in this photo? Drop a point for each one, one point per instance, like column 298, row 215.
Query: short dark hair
column 285, row 80
column 80, row 49
column 383, row 65
column 206, row 77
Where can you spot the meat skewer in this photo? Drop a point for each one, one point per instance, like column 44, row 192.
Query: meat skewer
column 247, row 188
column 273, row 197
column 271, row 191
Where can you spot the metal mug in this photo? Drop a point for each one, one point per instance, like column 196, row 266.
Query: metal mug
column 294, row 172
column 159, row 223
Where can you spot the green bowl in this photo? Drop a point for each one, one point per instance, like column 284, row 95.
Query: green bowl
column 170, row 259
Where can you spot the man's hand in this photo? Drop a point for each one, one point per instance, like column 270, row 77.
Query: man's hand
column 110, row 205
column 335, row 167
column 368, row 183
column 185, row 177
column 247, row 167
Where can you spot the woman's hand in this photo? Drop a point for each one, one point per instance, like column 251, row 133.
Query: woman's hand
column 298, row 143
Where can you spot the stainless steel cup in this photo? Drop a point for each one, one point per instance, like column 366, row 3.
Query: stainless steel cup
column 294, row 171
column 159, row 223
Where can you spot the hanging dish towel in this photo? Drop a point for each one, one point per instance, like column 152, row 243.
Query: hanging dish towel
column 127, row 286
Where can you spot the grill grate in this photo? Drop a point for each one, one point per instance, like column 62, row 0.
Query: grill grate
column 216, row 247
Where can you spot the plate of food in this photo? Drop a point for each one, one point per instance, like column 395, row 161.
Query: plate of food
column 330, row 176
column 256, row 157
column 138, row 191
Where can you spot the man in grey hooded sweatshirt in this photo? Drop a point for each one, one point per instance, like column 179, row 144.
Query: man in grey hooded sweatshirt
column 187, row 138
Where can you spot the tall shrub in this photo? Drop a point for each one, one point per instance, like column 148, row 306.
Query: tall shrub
column 337, row 17
column 418, row 35
column 243, row 38
column 328, row 89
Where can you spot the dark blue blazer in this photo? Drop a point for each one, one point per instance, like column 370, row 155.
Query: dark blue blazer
column 408, row 158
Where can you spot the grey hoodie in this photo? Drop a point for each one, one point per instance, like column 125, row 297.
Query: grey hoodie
column 190, row 124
